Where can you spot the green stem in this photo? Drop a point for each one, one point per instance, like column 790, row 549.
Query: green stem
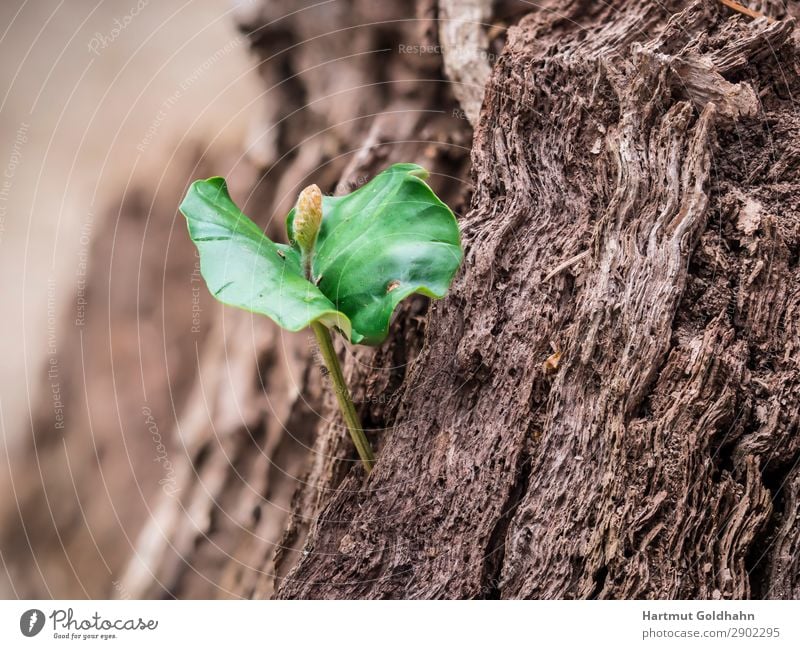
column 343, row 395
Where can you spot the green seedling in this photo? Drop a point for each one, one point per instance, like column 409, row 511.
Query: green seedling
column 350, row 261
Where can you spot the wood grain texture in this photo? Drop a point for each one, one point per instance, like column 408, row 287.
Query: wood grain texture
column 463, row 26
column 658, row 458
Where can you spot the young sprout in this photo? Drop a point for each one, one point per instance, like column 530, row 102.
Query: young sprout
column 307, row 219
column 349, row 262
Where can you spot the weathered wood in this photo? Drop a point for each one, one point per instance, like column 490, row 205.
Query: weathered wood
column 463, row 26
column 650, row 463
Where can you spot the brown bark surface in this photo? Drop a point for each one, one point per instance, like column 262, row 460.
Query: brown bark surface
column 655, row 148
column 605, row 406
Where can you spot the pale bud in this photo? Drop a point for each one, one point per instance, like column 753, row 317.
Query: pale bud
column 307, row 217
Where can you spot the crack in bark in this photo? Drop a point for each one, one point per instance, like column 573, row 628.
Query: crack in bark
column 495, row 549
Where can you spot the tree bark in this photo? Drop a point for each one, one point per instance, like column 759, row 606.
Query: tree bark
column 606, row 404
column 625, row 427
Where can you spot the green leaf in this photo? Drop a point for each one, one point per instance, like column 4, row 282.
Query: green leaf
column 388, row 239
column 243, row 268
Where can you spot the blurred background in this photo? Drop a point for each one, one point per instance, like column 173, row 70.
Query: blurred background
column 98, row 96
column 106, row 107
